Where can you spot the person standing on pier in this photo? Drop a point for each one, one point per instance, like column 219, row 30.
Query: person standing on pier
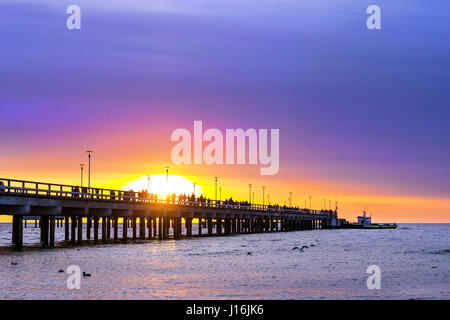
column 2, row 187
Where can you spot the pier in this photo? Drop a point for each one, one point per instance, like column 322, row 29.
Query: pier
column 55, row 205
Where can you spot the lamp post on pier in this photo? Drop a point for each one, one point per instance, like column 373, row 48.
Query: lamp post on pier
column 82, row 168
column 263, row 189
column 89, row 152
column 167, row 174
column 215, row 189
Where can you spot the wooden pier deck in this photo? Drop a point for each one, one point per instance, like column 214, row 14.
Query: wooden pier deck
column 105, row 208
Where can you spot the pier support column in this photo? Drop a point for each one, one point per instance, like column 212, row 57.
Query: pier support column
column 88, row 228
column 124, row 229
column 95, row 229
column 103, row 229
column 160, row 227
column 142, row 228
column 73, row 229
column 66, row 228
column 200, row 226
column 44, row 230
column 80, row 230
column 167, row 229
column 133, row 221
column 189, row 227
column 17, row 231
column 154, row 228
column 116, row 228
column 52, row 231
column 108, row 228
column 219, row 226
column 210, row 228
column 149, row 227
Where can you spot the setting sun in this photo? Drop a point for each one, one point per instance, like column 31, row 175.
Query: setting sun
column 161, row 185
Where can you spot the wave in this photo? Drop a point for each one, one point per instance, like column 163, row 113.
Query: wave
column 445, row 251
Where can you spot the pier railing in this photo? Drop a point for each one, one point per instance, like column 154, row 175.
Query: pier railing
column 61, row 191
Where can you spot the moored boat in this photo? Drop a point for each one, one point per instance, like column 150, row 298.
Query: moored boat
column 365, row 222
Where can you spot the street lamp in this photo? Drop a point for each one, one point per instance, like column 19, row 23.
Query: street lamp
column 82, row 168
column 167, row 174
column 263, row 187
column 89, row 152
column 290, row 199
column 194, row 188
column 310, row 209
column 215, row 189
column 220, row 193
column 148, row 183
column 250, row 192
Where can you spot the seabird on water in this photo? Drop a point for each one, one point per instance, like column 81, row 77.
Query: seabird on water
column 300, row 249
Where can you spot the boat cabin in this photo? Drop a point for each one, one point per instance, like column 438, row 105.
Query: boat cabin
column 364, row 219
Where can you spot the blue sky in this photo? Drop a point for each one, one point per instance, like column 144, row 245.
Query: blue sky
column 353, row 105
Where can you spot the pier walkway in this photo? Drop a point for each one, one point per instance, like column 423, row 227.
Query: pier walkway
column 154, row 219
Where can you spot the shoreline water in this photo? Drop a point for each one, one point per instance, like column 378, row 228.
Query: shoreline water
column 414, row 261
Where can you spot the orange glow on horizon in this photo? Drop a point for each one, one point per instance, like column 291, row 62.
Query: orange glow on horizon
column 160, row 185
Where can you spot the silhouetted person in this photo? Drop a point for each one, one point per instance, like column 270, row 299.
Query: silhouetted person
column 76, row 192
column 2, row 187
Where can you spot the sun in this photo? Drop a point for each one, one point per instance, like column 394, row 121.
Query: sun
column 159, row 184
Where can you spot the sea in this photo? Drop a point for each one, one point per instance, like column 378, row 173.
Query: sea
column 413, row 263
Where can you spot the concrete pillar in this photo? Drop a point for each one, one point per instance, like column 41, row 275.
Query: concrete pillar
column 44, row 230
column 167, row 228
column 88, row 228
column 189, row 227
column 17, row 231
column 73, row 229
column 95, row 229
column 66, row 229
column 116, row 228
column 200, row 226
column 125, row 229
column 210, row 229
column 52, row 231
column 159, row 228
column 80, row 230
column 175, row 228
column 103, row 229
column 142, row 228
column 219, row 226
column 108, row 228
column 133, row 221
column 149, row 227
column 154, row 228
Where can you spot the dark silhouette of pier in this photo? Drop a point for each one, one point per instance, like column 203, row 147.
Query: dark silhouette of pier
column 68, row 205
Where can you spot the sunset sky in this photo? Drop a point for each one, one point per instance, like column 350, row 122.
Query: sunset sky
column 363, row 114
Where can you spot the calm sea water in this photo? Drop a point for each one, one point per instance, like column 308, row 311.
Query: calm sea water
column 414, row 261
